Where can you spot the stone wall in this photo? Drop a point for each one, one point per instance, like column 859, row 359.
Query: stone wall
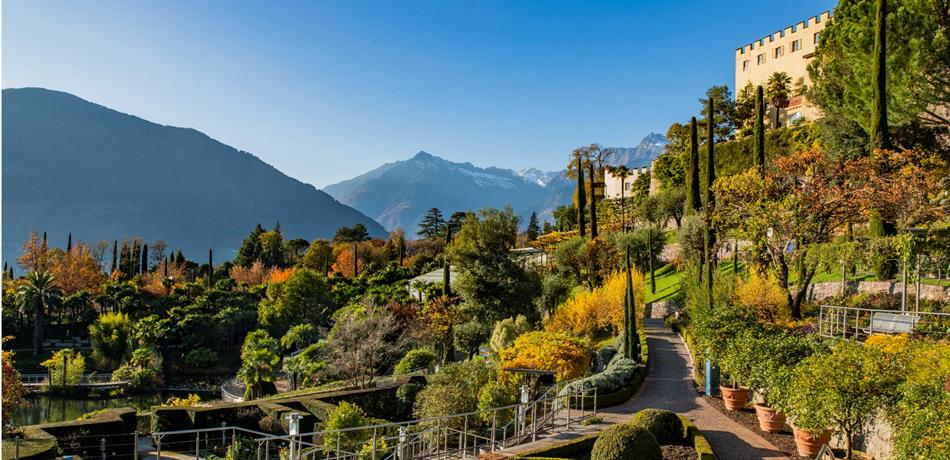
column 875, row 439
column 821, row 291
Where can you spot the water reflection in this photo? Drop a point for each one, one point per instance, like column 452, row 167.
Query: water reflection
column 43, row 408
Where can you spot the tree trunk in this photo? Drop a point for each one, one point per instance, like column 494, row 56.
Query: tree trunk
column 356, row 247
column 37, row 328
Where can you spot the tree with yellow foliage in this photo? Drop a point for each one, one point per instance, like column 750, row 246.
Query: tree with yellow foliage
column 568, row 357
column 592, row 314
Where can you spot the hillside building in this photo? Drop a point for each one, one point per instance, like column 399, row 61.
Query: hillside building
column 788, row 50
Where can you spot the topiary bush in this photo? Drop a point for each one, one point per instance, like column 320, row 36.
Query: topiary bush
column 666, row 426
column 624, row 442
column 415, row 359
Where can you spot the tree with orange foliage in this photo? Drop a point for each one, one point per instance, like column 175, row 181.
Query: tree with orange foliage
column 36, row 254
column 76, row 269
column 566, row 356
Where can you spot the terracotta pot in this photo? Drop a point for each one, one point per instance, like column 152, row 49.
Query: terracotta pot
column 808, row 445
column 735, row 398
column 770, row 420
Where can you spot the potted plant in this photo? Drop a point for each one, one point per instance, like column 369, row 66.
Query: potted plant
column 770, row 374
column 736, row 361
column 840, row 390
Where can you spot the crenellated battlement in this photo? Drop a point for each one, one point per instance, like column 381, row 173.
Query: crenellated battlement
column 810, row 23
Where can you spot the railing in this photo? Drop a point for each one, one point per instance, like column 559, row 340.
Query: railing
column 457, row 436
column 858, row 323
column 88, row 379
column 231, row 391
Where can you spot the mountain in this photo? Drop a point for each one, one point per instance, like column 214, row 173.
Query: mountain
column 634, row 157
column 399, row 194
column 70, row 165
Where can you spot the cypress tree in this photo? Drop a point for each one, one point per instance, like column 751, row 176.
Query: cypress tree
column 593, row 200
column 880, row 136
column 165, row 266
column 326, row 264
column 630, row 329
column 710, row 240
column 880, row 133
column 115, row 256
column 759, row 137
column 694, row 202
column 211, row 268
column 69, row 242
column 144, row 266
column 446, row 276
column 179, row 258
column 581, row 199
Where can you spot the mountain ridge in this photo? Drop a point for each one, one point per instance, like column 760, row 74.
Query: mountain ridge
column 398, row 193
column 74, row 166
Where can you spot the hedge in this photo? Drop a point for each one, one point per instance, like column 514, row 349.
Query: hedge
column 618, row 382
column 581, row 447
column 575, row 448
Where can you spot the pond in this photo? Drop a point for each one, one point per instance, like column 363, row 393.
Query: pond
column 43, row 408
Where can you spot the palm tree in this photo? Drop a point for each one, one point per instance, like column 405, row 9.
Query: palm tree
column 778, row 91
column 623, row 173
column 259, row 359
column 355, row 234
column 39, row 291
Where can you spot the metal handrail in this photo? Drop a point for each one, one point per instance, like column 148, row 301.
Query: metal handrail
column 855, row 323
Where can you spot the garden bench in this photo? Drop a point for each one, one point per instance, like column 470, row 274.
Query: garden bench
column 892, row 323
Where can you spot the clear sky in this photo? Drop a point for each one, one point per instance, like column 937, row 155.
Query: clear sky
column 325, row 90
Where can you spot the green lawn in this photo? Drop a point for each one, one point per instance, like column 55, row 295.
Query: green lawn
column 667, row 283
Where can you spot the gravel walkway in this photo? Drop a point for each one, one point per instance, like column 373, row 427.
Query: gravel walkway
column 669, row 385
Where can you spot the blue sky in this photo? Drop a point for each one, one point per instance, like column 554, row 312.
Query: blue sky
column 326, row 90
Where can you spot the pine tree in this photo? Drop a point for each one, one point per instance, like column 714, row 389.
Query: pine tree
column 69, row 242
column 115, row 256
column 251, row 249
column 144, row 262
column 593, row 200
column 534, row 230
column 694, row 201
column 759, row 136
column 581, row 199
column 710, row 240
column 432, row 225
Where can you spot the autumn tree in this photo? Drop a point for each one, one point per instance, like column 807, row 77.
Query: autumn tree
column 13, row 391
column 319, row 256
column 808, row 198
column 558, row 352
column 354, row 235
column 76, row 270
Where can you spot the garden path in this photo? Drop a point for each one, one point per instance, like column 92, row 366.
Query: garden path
column 669, row 385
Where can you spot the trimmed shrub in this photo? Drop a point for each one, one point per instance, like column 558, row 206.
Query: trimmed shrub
column 417, row 358
column 625, row 441
column 663, row 424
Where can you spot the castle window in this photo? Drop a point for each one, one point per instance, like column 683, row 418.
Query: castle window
column 745, row 65
column 761, row 59
column 779, row 51
column 817, row 34
column 796, row 45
